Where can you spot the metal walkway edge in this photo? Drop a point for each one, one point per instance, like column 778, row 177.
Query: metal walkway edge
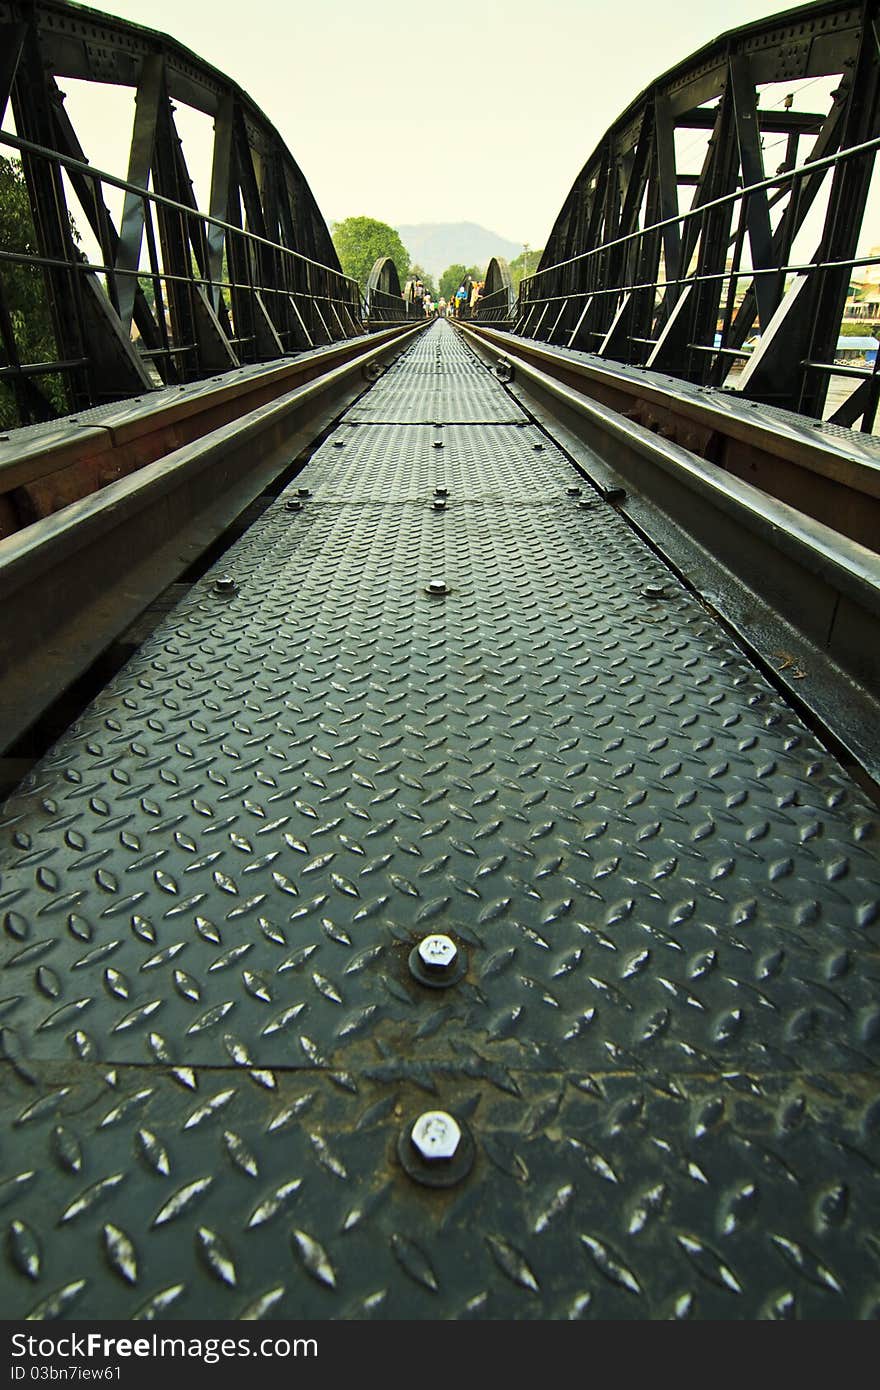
column 433, row 697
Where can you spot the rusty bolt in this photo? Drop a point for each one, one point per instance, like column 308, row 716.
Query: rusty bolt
column 225, row 585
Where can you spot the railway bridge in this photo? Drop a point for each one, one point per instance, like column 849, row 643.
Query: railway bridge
column 439, row 863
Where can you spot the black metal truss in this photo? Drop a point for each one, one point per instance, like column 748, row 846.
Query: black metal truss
column 385, row 299
column 628, row 275
column 497, row 303
column 253, row 276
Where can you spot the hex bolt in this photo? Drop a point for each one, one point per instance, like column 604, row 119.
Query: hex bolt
column 439, row 504
column 226, row 586
column 537, row 446
column 437, row 952
column 304, row 491
column 653, row 591
column 293, row 505
column 438, row 443
column 436, row 1135
column 339, row 444
column 436, row 588
column 573, row 491
column 441, row 491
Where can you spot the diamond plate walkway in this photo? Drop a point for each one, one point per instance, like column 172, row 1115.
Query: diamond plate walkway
column 664, row 1045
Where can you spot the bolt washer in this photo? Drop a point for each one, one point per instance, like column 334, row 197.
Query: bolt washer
column 437, row 1172
column 437, row 976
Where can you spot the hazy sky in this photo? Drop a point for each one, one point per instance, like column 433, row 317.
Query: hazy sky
column 469, row 110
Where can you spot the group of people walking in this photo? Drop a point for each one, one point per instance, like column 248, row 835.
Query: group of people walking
column 456, row 307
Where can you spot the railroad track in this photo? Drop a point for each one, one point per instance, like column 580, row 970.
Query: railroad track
column 184, row 464
column 440, row 915
column 709, row 480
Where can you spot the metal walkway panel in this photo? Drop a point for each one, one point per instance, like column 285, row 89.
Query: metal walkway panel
column 408, row 463
column 665, row 889
column 440, row 380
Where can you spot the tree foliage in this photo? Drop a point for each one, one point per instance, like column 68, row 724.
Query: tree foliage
column 24, row 292
column 526, row 263
column 360, row 241
column 453, row 276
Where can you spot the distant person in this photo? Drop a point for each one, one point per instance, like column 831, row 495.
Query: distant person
column 441, row 307
column 460, row 300
column 429, row 307
column 476, row 292
column 419, row 298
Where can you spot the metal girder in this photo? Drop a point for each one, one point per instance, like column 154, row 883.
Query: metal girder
column 181, row 318
column 603, row 284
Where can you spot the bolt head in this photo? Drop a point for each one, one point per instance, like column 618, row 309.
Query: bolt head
column 225, row 585
column 573, row 491
column 304, row 491
column 436, row 587
column 654, row 591
column 293, row 505
column 438, row 951
column 441, row 491
column 436, row 1135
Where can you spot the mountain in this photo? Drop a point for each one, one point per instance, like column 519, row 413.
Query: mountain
column 436, row 245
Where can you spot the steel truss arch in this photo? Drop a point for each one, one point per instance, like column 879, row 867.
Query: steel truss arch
column 636, row 272
column 385, row 299
column 173, row 291
column 497, row 303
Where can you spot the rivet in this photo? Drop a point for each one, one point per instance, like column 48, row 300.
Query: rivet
column 226, row 585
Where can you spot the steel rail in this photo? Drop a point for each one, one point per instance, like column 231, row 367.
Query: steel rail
column 83, row 574
column 781, row 578
column 852, row 463
column 153, row 424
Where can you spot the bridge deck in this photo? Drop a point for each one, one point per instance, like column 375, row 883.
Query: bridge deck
column 664, row 886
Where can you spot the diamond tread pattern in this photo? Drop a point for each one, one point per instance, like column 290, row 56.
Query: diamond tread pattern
column 665, row 1042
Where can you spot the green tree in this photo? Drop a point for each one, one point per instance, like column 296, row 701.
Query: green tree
column 416, row 272
column 24, row 293
column 453, row 275
column 360, row 241
column 526, row 263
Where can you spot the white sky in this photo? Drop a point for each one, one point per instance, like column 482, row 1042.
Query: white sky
column 469, row 110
